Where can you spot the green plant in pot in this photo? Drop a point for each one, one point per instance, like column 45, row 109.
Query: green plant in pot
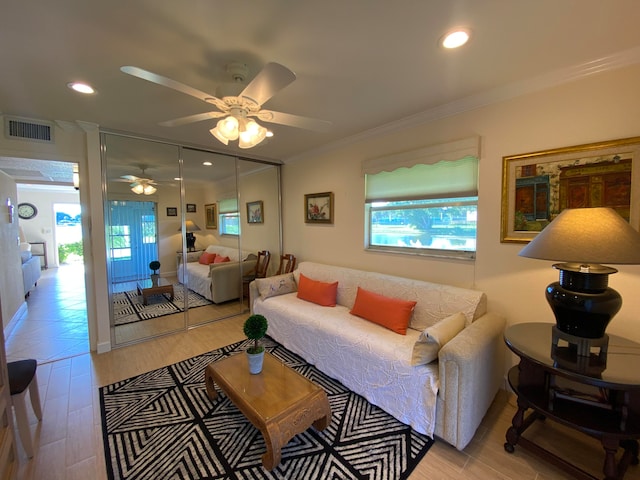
column 255, row 328
column 155, row 266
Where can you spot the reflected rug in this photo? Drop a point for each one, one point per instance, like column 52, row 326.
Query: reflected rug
column 128, row 307
column 162, row 425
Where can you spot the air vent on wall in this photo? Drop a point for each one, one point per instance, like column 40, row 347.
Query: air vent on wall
column 19, row 128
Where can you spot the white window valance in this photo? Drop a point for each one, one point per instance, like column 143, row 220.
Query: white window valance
column 450, row 151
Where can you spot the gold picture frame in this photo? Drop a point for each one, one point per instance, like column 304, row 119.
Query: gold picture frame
column 318, row 207
column 211, row 218
column 537, row 186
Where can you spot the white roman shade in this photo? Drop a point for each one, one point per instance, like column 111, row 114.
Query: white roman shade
column 228, row 205
column 438, row 171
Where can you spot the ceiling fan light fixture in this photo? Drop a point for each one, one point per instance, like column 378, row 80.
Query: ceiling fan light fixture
column 149, row 189
column 216, row 133
column 253, row 135
column 138, row 189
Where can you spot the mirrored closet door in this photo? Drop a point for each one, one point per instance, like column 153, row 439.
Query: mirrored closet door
column 193, row 211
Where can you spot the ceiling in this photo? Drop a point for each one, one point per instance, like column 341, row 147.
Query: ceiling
column 365, row 65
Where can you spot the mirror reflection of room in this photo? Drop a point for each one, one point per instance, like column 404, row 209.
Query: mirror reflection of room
column 170, row 211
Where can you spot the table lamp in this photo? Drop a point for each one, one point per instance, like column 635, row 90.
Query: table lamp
column 584, row 238
column 190, row 227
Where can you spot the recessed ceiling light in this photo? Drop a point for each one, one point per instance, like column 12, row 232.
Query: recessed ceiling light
column 455, row 38
column 81, row 87
column 269, row 133
column 208, row 164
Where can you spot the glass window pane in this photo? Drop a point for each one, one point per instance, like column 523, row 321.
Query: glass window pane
column 448, row 224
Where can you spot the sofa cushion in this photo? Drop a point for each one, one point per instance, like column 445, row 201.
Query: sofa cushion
column 206, row 258
column 433, row 338
column 221, row 259
column 276, row 285
column 391, row 313
column 322, row 293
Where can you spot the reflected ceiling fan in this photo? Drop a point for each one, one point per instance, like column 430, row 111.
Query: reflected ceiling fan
column 141, row 185
column 235, row 109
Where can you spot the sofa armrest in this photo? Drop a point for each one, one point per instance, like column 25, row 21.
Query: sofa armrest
column 471, row 368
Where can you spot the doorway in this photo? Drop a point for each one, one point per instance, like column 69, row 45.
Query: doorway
column 132, row 239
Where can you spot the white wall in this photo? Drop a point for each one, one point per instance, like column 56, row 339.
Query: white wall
column 601, row 107
column 11, row 285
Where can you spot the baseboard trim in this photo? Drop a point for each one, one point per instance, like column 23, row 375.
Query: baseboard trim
column 19, row 315
column 104, row 347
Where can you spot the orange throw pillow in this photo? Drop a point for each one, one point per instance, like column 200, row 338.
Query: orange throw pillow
column 221, row 259
column 391, row 313
column 314, row 291
column 206, row 258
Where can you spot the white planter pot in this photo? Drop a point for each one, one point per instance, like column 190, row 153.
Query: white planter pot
column 255, row 362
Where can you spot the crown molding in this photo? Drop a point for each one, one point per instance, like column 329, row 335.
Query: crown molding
column 496, row 95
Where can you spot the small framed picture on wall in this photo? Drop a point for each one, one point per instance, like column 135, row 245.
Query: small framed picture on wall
column 318, row 207
column 191, row 207
column 255, row 212
column 172, row 211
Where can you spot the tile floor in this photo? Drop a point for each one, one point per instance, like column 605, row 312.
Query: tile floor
column 55, row 326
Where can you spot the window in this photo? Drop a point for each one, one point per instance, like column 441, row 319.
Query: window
column 230, row 223
column 229, row 218
column 120, row 242
column 424, row 202
column 148, row 228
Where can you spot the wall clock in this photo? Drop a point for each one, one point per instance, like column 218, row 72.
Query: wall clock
column 27, row 211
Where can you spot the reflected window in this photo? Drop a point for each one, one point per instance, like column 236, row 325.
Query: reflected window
column 230, row 223
column 120, row 236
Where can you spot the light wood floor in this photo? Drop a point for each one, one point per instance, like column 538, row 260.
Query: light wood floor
column 69, row 438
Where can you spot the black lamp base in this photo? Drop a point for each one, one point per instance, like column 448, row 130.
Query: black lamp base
column 191, row 241
column 581, row 301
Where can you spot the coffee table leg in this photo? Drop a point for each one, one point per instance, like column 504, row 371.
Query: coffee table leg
column 273, row 439
column 210, row 383
column 323, row 422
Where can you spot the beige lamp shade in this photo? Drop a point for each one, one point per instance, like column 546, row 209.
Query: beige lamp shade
column 586, row 235
column 190, row 226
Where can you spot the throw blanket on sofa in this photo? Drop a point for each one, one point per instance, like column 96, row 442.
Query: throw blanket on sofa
column 339, row 339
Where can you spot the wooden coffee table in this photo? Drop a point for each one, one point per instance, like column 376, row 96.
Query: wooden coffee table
column 278, row 401
column 147, row 289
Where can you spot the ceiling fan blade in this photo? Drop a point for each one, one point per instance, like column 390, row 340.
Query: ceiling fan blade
column 167, row 82
column 295, row 121
column 131, row 178
column 198, row 117
column 271, row 79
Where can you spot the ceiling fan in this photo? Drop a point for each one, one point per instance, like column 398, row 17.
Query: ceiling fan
column 141, row 185
column 235, row 109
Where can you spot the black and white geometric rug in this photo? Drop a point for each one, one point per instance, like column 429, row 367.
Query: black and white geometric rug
column 162, row 425
column 128, row 307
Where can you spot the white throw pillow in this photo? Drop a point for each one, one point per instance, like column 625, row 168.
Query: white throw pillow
column 433, row 338
column 276, row 285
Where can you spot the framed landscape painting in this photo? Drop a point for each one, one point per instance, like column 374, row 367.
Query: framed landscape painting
column 537, row 186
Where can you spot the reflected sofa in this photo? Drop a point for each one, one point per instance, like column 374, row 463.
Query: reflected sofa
column 218, row 282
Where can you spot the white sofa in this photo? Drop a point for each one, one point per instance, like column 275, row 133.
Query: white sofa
column 447, row 397
column 218, row 282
